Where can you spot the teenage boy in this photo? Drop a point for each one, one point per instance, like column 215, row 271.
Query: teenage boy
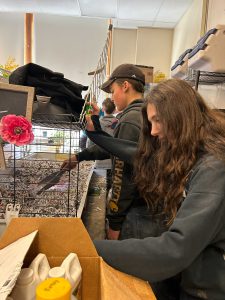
column 126, row 84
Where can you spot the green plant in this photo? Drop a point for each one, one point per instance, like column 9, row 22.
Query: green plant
column 8, row 67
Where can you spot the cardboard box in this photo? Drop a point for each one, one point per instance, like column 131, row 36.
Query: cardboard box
column 57, row 237
column 148, row 71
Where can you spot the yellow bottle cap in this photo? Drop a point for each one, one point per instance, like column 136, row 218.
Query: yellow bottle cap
column 54, row 289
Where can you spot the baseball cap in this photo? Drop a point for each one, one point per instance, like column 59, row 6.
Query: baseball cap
column 126, row 71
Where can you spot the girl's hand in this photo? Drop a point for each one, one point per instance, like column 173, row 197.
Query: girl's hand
column 69, row 164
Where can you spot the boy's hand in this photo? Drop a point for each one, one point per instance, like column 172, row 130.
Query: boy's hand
column 94, row 110
column 89, row 124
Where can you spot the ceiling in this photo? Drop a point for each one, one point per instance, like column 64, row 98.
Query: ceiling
column 124, row 13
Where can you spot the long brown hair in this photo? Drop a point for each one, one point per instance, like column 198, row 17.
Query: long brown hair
column 189, row 128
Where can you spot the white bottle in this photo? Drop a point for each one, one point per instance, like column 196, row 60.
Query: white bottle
column 41, row 267
column 24, row 288
column 70, row 269
column 29, row 278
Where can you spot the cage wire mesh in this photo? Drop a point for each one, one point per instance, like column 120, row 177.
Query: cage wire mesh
column 23, row 181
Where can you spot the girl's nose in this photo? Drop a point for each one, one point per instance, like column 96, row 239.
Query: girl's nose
column 154, row 131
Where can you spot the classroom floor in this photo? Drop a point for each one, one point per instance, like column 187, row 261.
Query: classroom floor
column 94, row 212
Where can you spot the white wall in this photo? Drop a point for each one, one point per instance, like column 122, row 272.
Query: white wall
column 143, row 46
column 63, row 44
column 216, row 13
column 11, row 37
column 123, row 46
column 70, row 45
column 188, row 30
column 154, row 46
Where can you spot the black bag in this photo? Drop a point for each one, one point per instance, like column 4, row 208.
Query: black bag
column 64, row 93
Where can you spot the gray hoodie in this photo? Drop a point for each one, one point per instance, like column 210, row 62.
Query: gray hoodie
column 194, row 245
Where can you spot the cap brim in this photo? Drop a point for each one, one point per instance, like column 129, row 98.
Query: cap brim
column 106, row 86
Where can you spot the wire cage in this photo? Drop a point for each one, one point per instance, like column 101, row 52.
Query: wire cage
column 57, row 138
column 23, row 182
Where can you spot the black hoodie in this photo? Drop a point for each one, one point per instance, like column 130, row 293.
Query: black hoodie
column 124, row 191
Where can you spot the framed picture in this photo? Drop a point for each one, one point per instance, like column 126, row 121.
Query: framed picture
column 2, row 158
column 16, row 99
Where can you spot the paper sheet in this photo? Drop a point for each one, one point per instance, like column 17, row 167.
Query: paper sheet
column 11, row 261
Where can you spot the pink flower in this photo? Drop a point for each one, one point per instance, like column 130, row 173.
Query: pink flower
column 16, row 130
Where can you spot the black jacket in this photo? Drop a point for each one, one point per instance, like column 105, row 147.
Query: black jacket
column 63, row 92
column 124, row 192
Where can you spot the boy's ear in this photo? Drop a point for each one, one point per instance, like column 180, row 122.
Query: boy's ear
column 126, row 85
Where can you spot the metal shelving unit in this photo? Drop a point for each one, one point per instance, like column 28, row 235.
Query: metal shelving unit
column 196, row 77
